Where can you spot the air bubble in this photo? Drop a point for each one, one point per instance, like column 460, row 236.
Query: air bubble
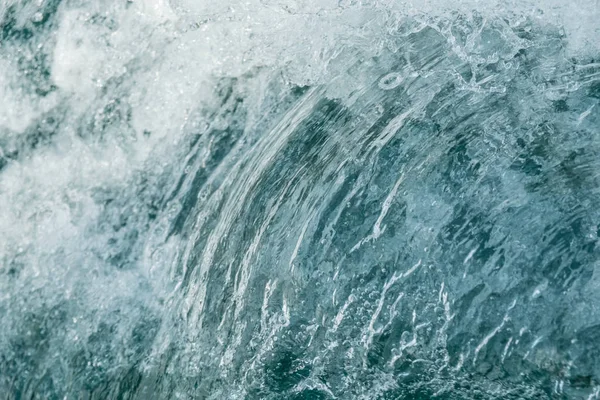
column 390, row 81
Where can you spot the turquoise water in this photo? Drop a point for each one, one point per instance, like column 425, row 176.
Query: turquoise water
column 299, row 200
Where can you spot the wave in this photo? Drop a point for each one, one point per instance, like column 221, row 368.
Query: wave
column 299, row 199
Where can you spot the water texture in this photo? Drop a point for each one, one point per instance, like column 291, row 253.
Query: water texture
column 315, row 199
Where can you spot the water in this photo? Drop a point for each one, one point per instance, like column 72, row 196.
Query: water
column 299, row 200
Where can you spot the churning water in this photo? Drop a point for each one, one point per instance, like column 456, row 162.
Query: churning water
column 299, row 199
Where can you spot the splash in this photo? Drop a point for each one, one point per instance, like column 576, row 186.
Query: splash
column 284, row 199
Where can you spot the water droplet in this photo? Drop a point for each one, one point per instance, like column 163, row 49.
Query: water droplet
column 390, row 81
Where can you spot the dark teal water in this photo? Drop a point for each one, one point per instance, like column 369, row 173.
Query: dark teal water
column 422, row 224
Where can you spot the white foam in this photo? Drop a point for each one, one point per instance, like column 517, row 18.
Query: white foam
column 168, row 53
